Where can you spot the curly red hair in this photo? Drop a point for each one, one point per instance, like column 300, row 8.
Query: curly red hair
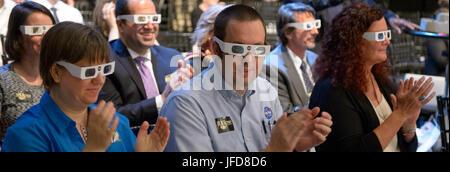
column 340, row 58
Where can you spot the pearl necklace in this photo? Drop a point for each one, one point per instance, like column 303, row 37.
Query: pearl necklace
column 84, row 133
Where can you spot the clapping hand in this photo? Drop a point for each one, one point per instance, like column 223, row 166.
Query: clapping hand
column 183, row 74
column 316, row 131
column 156, row 141
column 412, row 96
column 300, row 131
column 100, row 130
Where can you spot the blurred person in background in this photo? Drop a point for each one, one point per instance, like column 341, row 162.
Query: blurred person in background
column 202, row 6
column 437, row 61
column 70, row 2
column 5, row 10
column 105, row 19
column 202, row 39
column 61, row 11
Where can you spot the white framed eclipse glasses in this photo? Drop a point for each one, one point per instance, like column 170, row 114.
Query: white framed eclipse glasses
column 142, row 19
column 35, row 30
column 243, row 49
column 378, row 36
column 90, row 71
column 306, row 25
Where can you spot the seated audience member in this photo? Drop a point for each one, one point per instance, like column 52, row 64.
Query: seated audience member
column 61, row 11
column 202, row 38
column 297, row 29
column 354, row 87
column 145, row 73
column 20, row 82
column 74, row 63
column 241, row 116
column 105, row 19
column 5, row 10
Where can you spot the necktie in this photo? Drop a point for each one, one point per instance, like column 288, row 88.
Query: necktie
column 309, row 85
column 54, row 15
column 147, row 78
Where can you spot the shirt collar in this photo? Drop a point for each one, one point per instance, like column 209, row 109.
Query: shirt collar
column 55, row 114
column 226, row 90
column 134, row 55
column 296, row 59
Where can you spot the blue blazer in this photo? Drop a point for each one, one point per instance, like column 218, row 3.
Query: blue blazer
column 125, row 88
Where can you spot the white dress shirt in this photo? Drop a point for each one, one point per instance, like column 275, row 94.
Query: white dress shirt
column 5, row 12
column 148, row 63
column 297, row 63
column 63, row 11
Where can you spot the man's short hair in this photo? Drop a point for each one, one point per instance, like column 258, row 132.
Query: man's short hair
column 287, row 14
column 236, row 12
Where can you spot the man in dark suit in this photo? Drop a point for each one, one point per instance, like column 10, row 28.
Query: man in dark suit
column 291, row 62
column 139, row 85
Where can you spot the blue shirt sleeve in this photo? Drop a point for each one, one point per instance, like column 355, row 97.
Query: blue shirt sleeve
column 188, row 127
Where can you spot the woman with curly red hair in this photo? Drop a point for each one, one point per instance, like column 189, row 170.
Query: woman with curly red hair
column 354, row 86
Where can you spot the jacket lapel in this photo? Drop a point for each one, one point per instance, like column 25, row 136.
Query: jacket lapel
column 295, row 78
column 125, row 60
column 157, row 64
column 367, row 108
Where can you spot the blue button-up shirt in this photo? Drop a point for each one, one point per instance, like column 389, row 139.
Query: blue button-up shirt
column 215, row 120
column 45, row 128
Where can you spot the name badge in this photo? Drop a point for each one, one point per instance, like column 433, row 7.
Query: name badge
column 224, row 124
column 23, row 97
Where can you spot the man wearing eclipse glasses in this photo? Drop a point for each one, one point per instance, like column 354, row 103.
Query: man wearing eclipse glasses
column 238, row 113
column 143, row 76
column 297, row 29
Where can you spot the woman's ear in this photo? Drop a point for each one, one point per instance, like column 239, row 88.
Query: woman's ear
column 56, row 73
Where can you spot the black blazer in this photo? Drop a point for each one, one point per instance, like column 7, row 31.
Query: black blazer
column 125, row 88
column 354, row 119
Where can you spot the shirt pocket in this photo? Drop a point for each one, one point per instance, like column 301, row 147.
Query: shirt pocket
column 266, row 128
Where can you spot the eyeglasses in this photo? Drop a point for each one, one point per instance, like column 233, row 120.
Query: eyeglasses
column 142, row 19
column 88, row 72
column 306, row 25
column 377, row 36
column 35, row 30
column 243, row 49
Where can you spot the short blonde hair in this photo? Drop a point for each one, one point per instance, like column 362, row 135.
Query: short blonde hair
column 206, row 24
